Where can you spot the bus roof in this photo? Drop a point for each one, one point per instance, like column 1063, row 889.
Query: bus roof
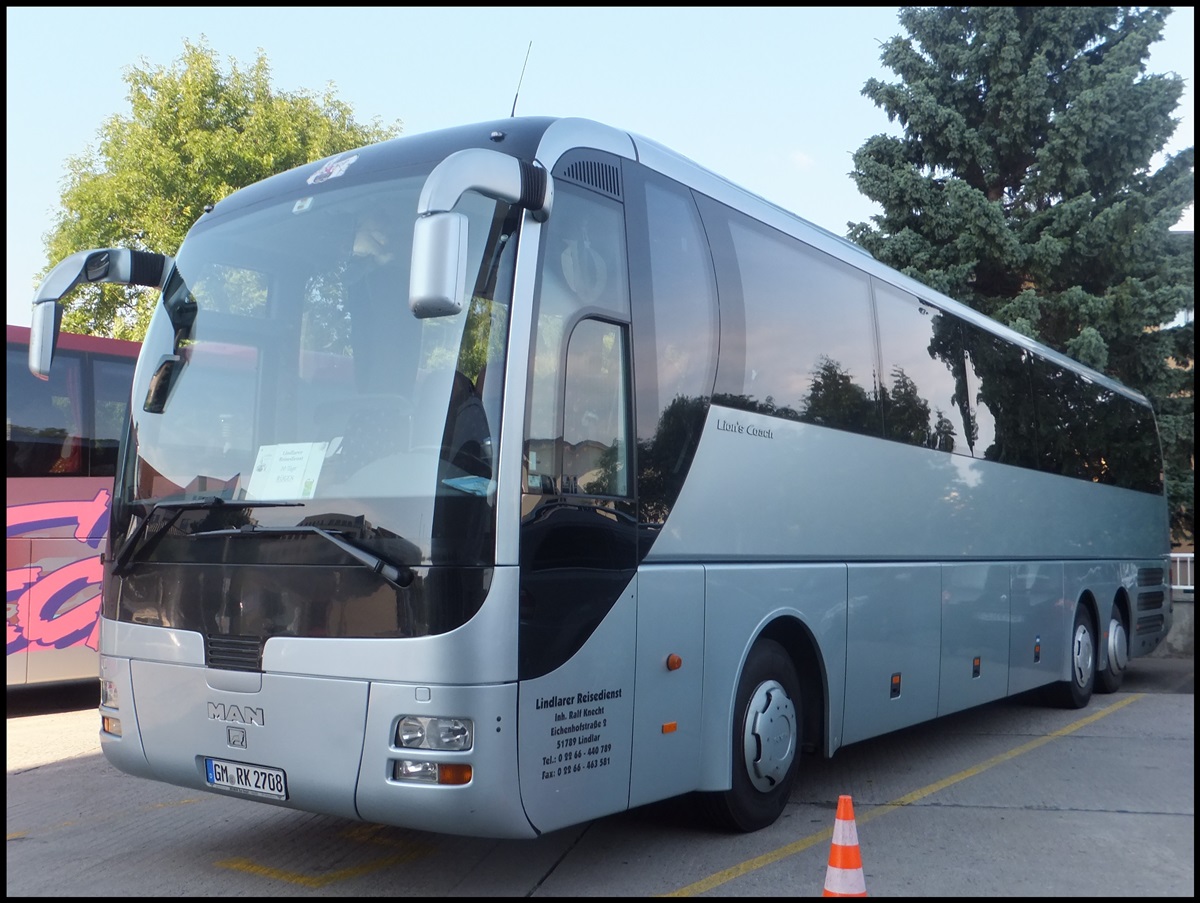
column 522, row 136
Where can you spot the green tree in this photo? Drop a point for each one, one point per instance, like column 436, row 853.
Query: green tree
column 194, row 134
column 1023, row 185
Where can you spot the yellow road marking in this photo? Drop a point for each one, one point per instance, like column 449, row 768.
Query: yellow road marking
column 726, row 875
column 358, row 834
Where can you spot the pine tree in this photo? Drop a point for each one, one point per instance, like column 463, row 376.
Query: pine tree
column 1023, row 186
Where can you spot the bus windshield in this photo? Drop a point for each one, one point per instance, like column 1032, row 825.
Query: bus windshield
column 284, row 364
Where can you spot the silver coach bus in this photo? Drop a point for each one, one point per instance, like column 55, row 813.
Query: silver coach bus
column 491, row 480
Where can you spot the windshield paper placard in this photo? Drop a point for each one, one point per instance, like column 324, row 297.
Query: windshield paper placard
column 287, row 471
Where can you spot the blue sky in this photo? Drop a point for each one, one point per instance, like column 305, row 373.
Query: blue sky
column 768, row 97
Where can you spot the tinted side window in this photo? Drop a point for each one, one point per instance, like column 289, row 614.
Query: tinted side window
column 45, row 418
column 111, row 380
column 1089, row 432
column 595, row 422
column 922, row 356
column 1064, row 404
column 674, row 301
column 809, row 335
column 584, row 273
column 1003, row 421
column 676, row 335
column 1134, row 453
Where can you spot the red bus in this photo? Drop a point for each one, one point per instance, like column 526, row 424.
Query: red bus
column 63, row 436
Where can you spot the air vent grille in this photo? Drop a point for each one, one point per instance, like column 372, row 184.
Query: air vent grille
column 1150, row 576
column 1150, row 624
column 233, row 653
column 1150, row 601
column 602, row 177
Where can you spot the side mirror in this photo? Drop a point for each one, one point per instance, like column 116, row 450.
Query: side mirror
column 43, row 337
column 437, row 280
column 122, row 266
column 438, row 277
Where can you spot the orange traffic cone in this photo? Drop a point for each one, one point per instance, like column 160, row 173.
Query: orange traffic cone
column 844, row 877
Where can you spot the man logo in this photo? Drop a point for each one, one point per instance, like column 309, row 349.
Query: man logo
column 245, row 714
column 236, row 736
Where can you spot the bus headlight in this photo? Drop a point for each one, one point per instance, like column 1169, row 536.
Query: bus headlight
column 422, row 732
column 108, row 694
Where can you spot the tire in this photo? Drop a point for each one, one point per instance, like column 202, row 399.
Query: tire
column 766, row 742
column 1109, row 680
column 1077, row 692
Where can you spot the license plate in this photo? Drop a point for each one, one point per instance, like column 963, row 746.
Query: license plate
column 245, row 778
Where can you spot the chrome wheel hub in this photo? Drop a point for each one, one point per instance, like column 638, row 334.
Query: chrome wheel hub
column 769, row 737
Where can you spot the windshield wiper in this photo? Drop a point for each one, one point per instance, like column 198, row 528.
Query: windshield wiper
column 124, row 555
column 398, row 575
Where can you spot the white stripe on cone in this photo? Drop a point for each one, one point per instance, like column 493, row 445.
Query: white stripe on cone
column 845, row 833
column 845, row 882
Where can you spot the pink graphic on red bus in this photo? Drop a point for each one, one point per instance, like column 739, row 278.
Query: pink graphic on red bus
column 57, row 607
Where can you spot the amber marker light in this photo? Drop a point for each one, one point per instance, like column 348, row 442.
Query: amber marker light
column 454, row 774
column 674, row 662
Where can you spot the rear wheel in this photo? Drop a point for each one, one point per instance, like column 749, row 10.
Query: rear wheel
column 1077, row 692
column 766, row 742
column 1109, row 679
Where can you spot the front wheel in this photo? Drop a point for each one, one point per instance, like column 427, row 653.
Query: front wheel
column 766, row 742
column 1077, row 692
column 1109, row 680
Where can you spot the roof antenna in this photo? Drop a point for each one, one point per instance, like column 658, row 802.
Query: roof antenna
column 519, row 80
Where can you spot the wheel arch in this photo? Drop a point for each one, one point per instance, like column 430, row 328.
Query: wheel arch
column 800, row 644
column 1087, row 599
column 726, row 660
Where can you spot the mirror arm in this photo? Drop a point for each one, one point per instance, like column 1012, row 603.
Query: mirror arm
column 123, row 266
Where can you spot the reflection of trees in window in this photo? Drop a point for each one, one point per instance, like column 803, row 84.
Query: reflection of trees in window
column 1077, row 424
column 664, row 458
column 1132, row 447
column 1089, row 432
column 835, row 400
column 231, row 289
column 1002, row 400
column 1061, row 420
column 907, row 416
column 326, row 325
column 923, row 355
column 483, row 336
column 946, row 345
column 609, row 473
column 800, row 306
column 595, row 423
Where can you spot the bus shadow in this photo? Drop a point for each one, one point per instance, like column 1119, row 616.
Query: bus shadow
column 53, row 700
